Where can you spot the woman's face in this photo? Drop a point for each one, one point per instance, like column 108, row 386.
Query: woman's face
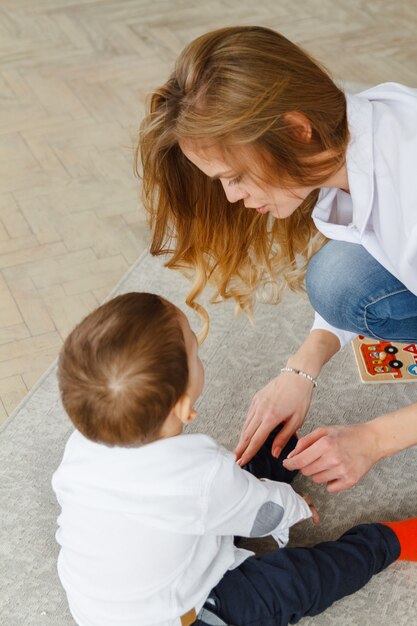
column 264, row 198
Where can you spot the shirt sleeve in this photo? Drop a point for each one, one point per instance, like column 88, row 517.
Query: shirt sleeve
column 344, row 336
column 243, row 505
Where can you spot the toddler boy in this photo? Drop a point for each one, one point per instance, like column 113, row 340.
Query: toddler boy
column 149, row 514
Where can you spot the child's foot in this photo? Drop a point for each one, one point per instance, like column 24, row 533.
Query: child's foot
column 406, row 531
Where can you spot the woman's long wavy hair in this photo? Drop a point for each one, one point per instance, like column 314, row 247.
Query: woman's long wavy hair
column 234, row 87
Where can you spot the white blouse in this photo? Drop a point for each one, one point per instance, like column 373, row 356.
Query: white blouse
column 380, row 213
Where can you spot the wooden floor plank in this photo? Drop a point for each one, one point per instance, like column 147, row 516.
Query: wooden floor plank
column 74, row 75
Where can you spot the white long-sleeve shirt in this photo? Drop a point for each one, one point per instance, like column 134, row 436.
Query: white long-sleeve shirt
column 147, row 532
column 380, row 213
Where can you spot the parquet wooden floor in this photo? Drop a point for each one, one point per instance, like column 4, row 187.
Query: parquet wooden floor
column 73, row 78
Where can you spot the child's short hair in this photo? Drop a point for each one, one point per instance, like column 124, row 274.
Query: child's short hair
column 122, row 369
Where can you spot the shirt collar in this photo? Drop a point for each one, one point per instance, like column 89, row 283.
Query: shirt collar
column 359, row 163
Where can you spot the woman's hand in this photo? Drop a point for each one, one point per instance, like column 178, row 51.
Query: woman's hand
column 286, row 399
column 336, row 455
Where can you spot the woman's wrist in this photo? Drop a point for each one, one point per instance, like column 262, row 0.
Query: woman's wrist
column 395, row 431
column 298, row 372
column 314, row 353
column 381, row 440
column 304, row 365
column 370, row 436
column 304, row 361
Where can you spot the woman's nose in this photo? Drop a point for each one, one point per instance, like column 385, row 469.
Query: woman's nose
column 234, row 192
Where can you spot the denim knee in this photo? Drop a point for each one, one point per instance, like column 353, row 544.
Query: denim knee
column 352, row 291
column 327, row 284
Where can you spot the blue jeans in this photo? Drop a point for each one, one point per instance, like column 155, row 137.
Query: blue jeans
column 352, row 291
column 284, row 585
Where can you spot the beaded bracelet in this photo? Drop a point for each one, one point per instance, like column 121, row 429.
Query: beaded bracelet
column 300, row 373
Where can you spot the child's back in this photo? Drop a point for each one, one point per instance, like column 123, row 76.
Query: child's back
column 148, row 532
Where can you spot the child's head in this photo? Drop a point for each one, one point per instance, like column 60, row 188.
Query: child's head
column 247, row 99
column 129, row 373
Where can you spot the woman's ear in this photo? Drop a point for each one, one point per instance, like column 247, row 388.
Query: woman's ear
column 184, row 410
column 300, row 125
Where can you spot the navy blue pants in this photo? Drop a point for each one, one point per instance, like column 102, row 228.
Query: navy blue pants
column 282, row 586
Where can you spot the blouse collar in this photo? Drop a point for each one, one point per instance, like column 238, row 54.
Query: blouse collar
column 359, row 164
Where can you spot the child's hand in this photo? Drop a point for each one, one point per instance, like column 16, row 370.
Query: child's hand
column 316, row 516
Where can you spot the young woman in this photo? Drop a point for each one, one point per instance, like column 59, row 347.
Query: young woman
column 251, row 158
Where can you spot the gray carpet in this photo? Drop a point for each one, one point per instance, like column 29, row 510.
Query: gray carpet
column 240, row 358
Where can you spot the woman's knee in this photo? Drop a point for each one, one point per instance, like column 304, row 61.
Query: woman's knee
column 325, row 280
column 352, row 291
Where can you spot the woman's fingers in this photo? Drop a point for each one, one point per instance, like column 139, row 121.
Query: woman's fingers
column 260, row 413
column 251, row 414
column 257, row 440
column 250, row 427
column 325, row 476
column 338, row 485
column 278, row 402
column 283, row 437
column 308, row 455
column 307, row 440
column 319, row 468
column 336, row 455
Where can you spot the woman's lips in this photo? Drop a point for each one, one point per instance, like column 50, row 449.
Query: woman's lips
column 262, row 209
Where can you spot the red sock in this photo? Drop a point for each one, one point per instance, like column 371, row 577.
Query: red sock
column 406, row 532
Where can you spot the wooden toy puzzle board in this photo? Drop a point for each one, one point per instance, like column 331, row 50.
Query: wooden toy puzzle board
column 385, row 361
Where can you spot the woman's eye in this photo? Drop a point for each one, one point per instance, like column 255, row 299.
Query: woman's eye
column 234, row 181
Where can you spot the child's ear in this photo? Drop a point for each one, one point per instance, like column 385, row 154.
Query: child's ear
column 183, row 409
column 300, row 125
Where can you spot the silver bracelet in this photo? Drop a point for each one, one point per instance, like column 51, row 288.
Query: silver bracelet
column 300, row 373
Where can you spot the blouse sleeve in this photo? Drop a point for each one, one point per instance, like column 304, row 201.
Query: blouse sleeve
column 344, row 336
